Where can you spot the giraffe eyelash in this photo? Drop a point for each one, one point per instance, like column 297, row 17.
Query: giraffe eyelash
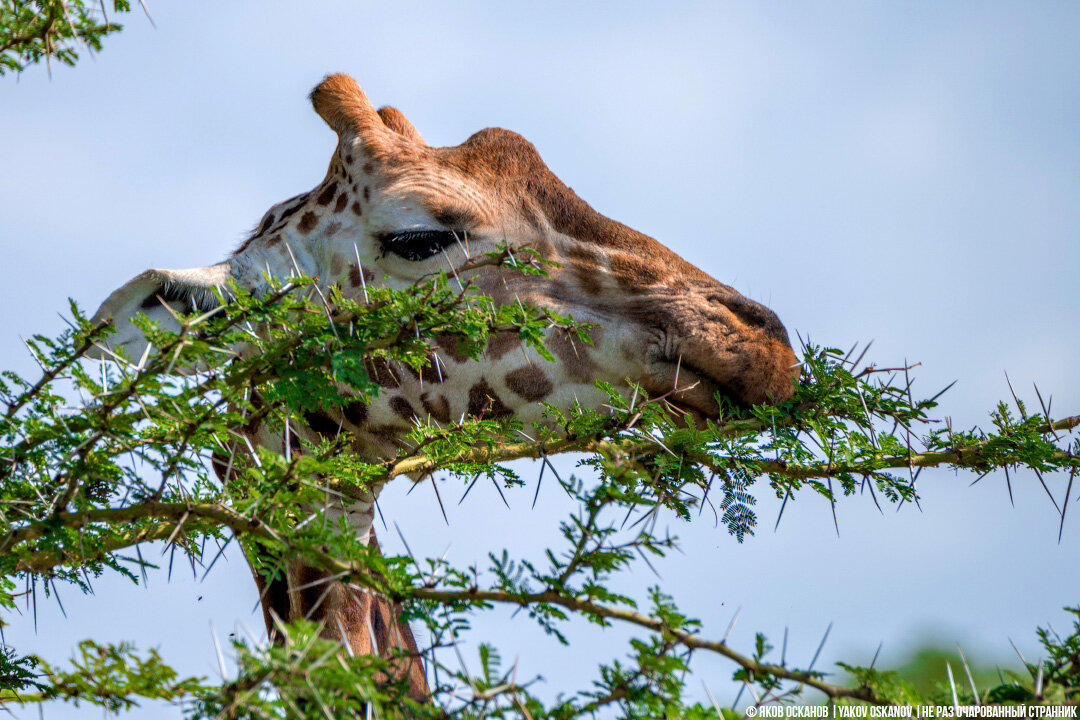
column 415, row 245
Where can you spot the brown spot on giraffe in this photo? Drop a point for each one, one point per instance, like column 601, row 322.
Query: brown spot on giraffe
column 355, row 278
column 367, row 194
column 322, row 424
column 437, row 406
column 530, row 382
column 369, row 169
column 501, row 343
column 402, row 408
column 342, row 201
column 575, row 357
column 266, row 223
column 485, row 404
column 357, row 210
column 383, row 373
column 327, row 194
column 308, row 221
column 451, row 345
column 355, row 412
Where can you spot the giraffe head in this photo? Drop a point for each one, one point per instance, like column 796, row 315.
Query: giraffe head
column 393, row 210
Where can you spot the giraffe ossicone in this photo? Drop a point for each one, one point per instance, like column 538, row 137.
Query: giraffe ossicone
column 391, row 210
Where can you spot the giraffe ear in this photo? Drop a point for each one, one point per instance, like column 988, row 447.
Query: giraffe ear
column 154, row 293
column 343, row 105
column 396, row 121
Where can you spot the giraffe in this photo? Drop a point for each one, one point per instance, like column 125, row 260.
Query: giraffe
column 392, row 210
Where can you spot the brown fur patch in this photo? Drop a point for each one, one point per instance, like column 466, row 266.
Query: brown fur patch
column 322, row 424
column 357, row 210
column 369, row 168
column 449, row 344
column 367, row 194
column 355, row 412
column 457, row 217
column 529, row 382
column 401, row 407
column 484, row 403
column 308, row 222
column 579, row 252
column 327, row 195
column 437, row 407
column 348, row 159
column 501, row 343
column 588, row 277
column 354, row 275
column 575, row 355
column 265, row 224
column 273, row 241
column 342, row 201
column 383, row 373
column 633, row 272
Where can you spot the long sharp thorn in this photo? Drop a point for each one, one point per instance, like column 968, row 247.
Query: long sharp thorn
column 783, row 505
column 819, row 647
column 220, row 654
column 503, row 497
column 438, row 497
column 716, row 707
column 57, row 596
column 731, row 626
column 646, row 559
column 1046, row 412
column 952, row 687
column 967, row 671
column 848, row 354
column 466, row 494
column 832, row 502
column 735, row 702
column 1043, row 483
column 861, row 355
column 377, row 507
column 407, row 548
column 783, row 649
column 705, row 496
column 1022, row 658
column 873, row 496
column 220, row 552
column 1065, row 505
column 979, row 478
column 142, row 566
column 1008, row 484
column 1019, row 405
column 876, row 653
column 943, row 391
column 539, row 480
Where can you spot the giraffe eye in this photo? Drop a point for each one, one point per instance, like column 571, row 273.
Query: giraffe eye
column 415, row 245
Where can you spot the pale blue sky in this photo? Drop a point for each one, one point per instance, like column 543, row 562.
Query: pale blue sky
column 902, row 172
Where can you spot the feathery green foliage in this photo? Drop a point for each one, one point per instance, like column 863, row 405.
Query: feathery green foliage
column 53, row 29
column 81, row 486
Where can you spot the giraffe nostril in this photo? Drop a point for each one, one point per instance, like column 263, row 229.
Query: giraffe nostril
column 754, row 314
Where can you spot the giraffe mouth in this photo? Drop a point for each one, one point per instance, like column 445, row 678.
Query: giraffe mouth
column 685, row 390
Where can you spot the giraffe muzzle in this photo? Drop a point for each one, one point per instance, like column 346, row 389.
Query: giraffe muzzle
column 720, row 342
